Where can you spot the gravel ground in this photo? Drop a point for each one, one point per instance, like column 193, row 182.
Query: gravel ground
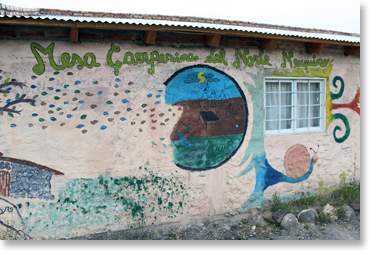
column 337, row 230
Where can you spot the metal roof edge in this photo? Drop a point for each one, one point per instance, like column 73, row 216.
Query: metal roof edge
column 167, row 23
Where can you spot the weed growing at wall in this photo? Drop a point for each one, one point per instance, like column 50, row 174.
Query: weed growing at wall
column 345, row 194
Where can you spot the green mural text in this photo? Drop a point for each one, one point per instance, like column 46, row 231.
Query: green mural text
column 217, row 58
column 140, row 58
column 67, row 61
column 323, row 63
column 250, row 60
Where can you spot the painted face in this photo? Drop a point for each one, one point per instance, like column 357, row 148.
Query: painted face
column 214, row 120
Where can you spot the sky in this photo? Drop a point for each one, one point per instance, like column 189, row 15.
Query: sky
column 336, row 15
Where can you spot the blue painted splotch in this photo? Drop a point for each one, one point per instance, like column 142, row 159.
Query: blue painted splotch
column 28, row 181
column 183, row 139
column 266, row 175
column 191, row 85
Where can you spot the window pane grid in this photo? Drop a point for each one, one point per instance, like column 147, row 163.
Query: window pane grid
column 298, row 105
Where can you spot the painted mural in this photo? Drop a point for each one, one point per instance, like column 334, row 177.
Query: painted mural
column 134, row 136
column 214, row 120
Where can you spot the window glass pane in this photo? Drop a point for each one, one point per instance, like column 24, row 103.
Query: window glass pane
column 286, row 99
column 271, row 99
column 302, row 123
column 285, row 86
column 286, row 112
column 302, row 112
column 286, row 124
column 315, row 87
column 314, row 98
column 314, row 122
column 271, row 125
column 302, row 86
column 271, row 113
column 271, row 87
column 314, row 111
column 283, row 111
column 302, row 98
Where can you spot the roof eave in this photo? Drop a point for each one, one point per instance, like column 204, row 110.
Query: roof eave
column 38, row 21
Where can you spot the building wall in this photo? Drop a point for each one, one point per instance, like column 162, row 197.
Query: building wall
column 129, row 138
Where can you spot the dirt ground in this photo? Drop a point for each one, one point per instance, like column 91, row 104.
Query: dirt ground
column 337, row 230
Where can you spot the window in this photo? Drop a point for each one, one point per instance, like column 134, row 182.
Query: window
column 294, row 105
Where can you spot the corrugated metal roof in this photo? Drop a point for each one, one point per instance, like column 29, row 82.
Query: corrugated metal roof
column 176, row 21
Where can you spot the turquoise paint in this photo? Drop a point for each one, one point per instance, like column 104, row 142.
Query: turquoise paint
column 86, row 203
column 266, row 175
column 198, row 83
column 206, row 151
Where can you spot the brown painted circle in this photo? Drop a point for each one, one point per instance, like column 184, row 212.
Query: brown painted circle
column 296, row 161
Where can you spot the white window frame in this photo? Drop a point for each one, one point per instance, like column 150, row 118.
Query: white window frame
column 294, row 129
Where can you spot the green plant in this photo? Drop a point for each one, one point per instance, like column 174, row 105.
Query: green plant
column 310, row 233
column 340, row 213
column 173, row 237
column 324, row 218
column 307, row 199
column 346, row 193
column 306, row 226
column 276, row 203
column 8, row 234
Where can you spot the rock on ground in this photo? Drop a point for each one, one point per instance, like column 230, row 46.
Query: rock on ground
column 279, row 214
column 349, row 213
column 307, row 216
column 289, row 221
column 330, row 211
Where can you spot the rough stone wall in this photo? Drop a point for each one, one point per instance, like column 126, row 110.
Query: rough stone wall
column 126, row 131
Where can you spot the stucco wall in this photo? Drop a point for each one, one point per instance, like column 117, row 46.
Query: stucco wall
column 113, row 129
